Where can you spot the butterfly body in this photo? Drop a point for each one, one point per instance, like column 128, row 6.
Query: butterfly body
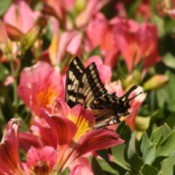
column 84, row 86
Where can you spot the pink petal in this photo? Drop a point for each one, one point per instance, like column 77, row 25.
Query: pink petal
column 105, row 71
column 96, row 140
column 81, row 166
column 26, row 140
column 10, row 162
column 62, row 129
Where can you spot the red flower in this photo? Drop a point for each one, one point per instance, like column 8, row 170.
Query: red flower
column 70, row 132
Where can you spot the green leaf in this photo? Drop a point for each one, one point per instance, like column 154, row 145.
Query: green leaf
column 148, row 149
column 148, row 169
column 164, row 96
column 159, row 133
column 95, row 51
column 167, row 146
column 160, row 24
column 107, row 167
column 169, row 60
column 102, row 167
column 118, row 152
column 132, row 147
column 167, row 165
column 133, row 158
column 171, row 90
column 3, row 72
column 4, row 5
column 97, row 168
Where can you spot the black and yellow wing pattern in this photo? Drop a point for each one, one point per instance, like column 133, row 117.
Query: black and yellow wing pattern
column 84, row 86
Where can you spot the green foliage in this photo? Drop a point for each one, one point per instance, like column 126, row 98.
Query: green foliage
column 153, row 154
column 4, row 5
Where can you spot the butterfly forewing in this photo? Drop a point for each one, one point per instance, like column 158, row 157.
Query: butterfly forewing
column 95, row 86
column 83, row 86
column 75, row 73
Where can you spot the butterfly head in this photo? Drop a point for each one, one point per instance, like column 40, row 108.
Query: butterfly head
column 122, row 104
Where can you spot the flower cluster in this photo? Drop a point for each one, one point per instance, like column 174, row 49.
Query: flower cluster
column 41, row 134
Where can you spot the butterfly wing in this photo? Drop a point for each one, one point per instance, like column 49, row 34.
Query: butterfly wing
column 74, row 84
column 84, row 86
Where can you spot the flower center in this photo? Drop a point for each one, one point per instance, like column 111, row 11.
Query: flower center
column 47, row 96
column 41, row 168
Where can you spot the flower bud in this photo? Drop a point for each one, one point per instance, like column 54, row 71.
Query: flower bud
column 155, row 82
column 80, row 5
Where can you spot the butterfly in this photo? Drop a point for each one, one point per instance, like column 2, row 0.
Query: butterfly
column 84, row 86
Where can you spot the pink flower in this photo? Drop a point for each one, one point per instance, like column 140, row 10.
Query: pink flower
column 91, row 8
column 83, row 138
column 63, row 43
column 41, row 161
column 136, row 42
column 104, row 34
column 63, row 136
column 9, row 150
column 70, row 132
column 82, row 11
column 39, row 86
column 166, row 7
column 20, row 16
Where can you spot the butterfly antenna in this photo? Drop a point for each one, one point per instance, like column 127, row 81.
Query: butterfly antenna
column 127, row 94
column 135, row 96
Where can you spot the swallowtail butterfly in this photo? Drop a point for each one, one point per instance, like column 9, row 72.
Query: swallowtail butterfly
column 84, row 86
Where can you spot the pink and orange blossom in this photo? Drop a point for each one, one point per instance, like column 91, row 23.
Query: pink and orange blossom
column 135, row 42
column 71, row 133
column 66, row 135
column 39, row 86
